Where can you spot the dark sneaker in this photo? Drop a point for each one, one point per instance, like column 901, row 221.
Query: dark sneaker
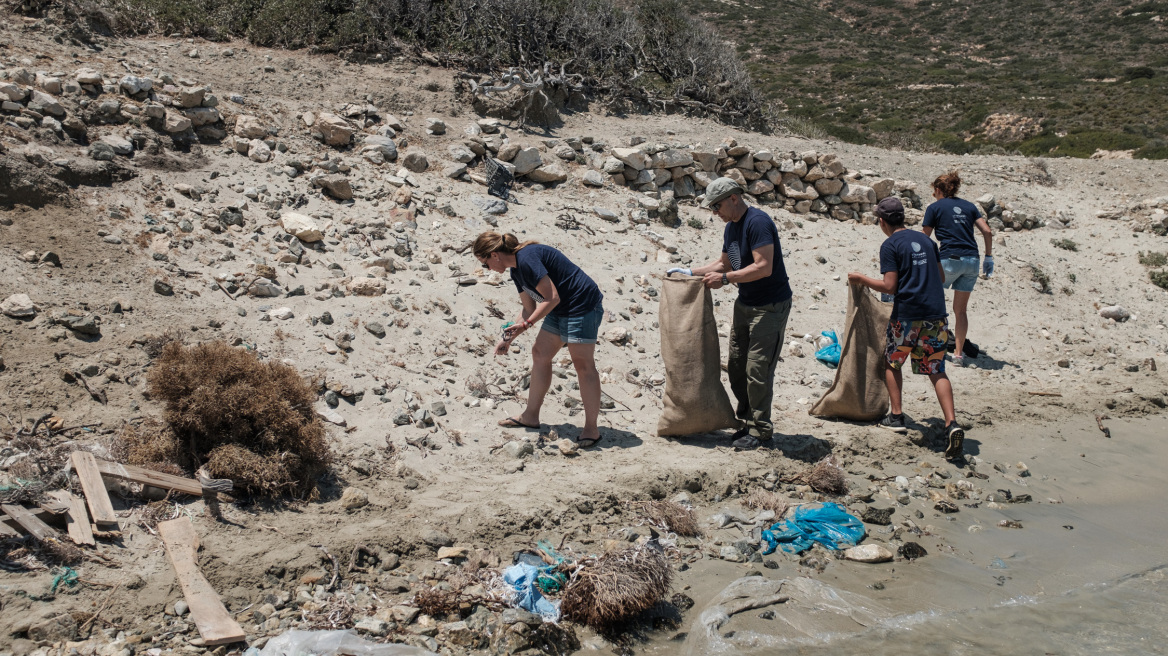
column 740, row 433
column 893, row 424
column 749, row 442
column 956, row 436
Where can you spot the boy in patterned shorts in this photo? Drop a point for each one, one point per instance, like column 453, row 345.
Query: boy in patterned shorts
column 919, row 327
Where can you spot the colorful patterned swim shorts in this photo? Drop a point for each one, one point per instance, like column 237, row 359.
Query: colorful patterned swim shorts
column 922, row 341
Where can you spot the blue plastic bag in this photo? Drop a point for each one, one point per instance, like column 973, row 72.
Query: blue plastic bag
column 830, row 354
column 523, row 577
column 828, row 524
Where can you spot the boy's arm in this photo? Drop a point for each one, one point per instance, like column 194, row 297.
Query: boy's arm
column 886, row 286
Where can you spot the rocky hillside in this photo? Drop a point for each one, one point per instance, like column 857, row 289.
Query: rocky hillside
column 929, row 74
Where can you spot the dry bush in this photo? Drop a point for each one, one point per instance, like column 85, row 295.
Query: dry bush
column 617, row 586
column 761, row 499
column 153, row 445
column 238, row 417
column 439, row 603
column 673, row 516
column 826, row 477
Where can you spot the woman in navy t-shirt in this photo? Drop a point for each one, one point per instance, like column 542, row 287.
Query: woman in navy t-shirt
column 954, row 220
column 554, row 289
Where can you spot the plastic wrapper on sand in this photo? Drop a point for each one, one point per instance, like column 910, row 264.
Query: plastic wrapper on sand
column 333, row 643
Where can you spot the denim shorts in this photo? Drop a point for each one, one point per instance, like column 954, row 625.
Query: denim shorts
column 580, row 329
column 961, row 274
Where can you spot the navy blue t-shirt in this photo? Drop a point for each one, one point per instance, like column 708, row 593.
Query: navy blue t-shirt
column 754, row 230
column 919, row 293
column 578, row 293
column 953, row 220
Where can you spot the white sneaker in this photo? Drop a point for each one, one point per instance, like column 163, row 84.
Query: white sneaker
column 959, row 360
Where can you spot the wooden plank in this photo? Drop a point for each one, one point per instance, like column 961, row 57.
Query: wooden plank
column 95, row 495
column 7, row 531
column 76, row 518
column 29, row 522
column 211, row 618
column 149, row 477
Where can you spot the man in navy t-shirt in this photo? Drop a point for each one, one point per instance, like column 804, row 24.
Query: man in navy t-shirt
column 753, row 259
column 918, row 329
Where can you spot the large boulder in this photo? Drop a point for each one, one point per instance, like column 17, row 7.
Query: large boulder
column 792, row 187
column 133, row 85
column 634, row 157
column 301, row 226
column 18, row 306
column 335, row 130
column 671, row 158
column 249, row 127
column 379, row 149
column 176, row 122
column 12, row 93
column 551, row 173
column 828, row 186
column 415, row 161
column 367, row 287
column 189, row 97
column 526, row 161
column 335, row 185
column 857, row 194
column 41, row 102
column 201, row 116
column 258, row 151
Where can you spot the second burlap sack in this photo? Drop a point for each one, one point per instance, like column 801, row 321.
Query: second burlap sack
column 858, row 392
column 695, row 399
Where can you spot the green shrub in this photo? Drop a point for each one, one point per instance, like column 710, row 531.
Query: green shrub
column 1065, row 244
column 1139, row 72
column 1153, row 259
column 1151, row 152
column 1079, row 144
column 695, row 223
column 1159, row 278
column 1041, row 277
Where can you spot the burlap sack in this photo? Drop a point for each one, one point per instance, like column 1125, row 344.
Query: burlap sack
column 695, row 400
column 858, row 392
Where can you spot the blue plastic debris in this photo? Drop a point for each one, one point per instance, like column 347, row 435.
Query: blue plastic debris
column 523, row 577
column 828, row 524
column 830, row 354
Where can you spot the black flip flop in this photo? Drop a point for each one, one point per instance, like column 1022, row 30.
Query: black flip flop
column 513, row 422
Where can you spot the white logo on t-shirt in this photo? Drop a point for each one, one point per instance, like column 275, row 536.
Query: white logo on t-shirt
column 957, row 211
column 916, row 247
column 734, row 255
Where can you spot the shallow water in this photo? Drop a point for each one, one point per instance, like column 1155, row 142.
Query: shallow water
column 1087, row 575
column 1122, row 617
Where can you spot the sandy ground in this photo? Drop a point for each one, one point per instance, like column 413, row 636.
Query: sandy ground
column 451, row 478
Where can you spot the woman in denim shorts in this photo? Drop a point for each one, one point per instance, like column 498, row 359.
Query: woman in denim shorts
column 954, row 220
column 554, row 289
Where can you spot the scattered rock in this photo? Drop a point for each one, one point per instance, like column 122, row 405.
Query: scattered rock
column 18, row 306
column 303, row 227
column 878, row 516
column 353, row 498
column 1116, row 312
column 516, row 449
column 415, row 161
column 868, row 553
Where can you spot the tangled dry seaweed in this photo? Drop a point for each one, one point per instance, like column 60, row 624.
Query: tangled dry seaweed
column 671, row 516
column 617, row 586
column 236, row 417
column 761, row 499
column 828, row 478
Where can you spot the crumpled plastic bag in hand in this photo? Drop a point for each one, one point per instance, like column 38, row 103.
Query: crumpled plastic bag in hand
column 334, row 643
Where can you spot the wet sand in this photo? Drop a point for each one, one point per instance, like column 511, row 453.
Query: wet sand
column 1082, row 576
